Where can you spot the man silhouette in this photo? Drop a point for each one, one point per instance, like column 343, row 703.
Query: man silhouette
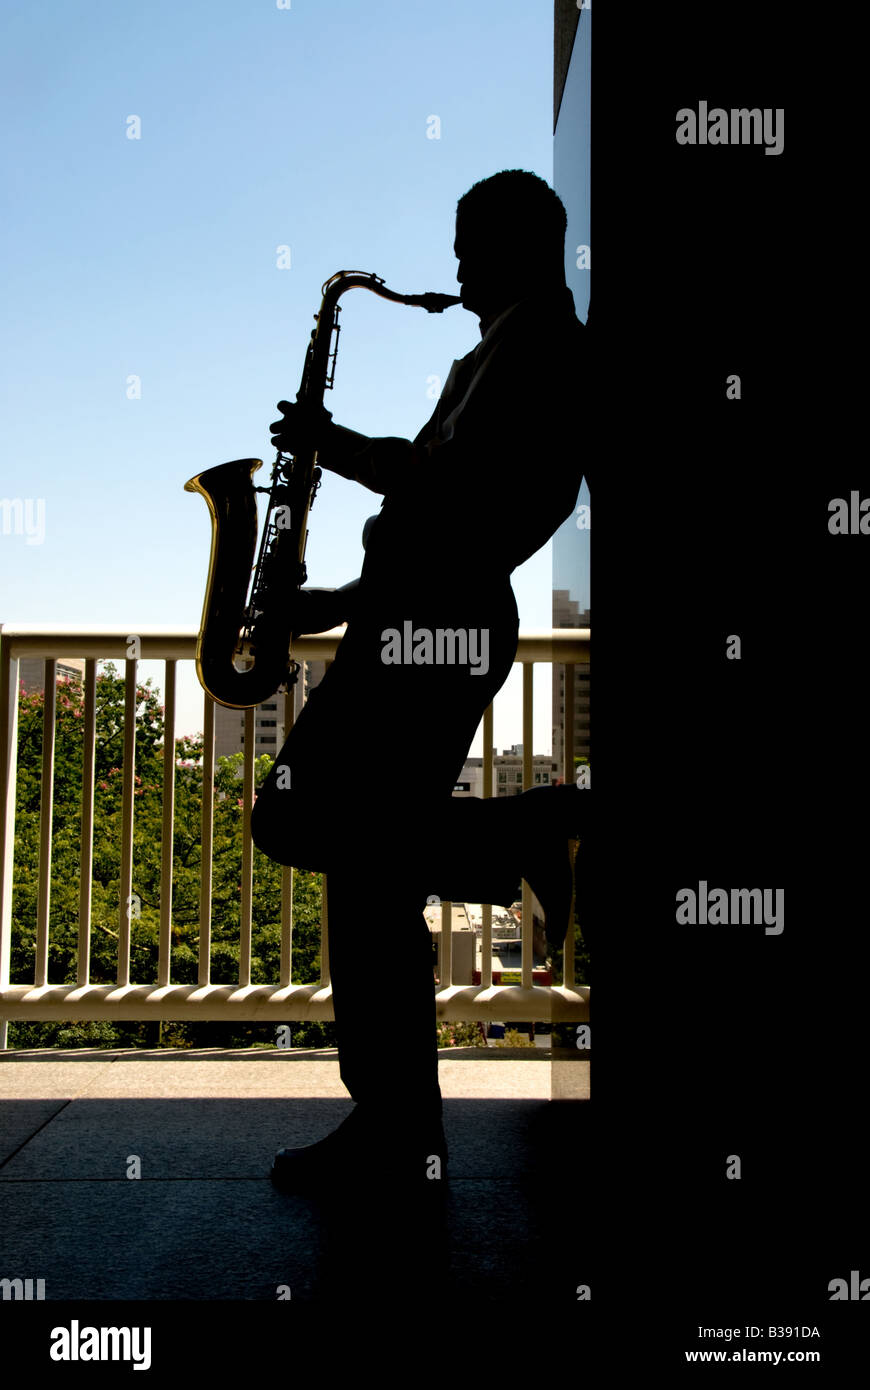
column 377, row 749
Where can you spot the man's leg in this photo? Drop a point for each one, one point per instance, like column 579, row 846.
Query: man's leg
column 476, row 850
column 387, row 1042
column 377, row 932
column 435, row 844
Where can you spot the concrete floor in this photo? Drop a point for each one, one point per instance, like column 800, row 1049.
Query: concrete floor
column 203, row 1220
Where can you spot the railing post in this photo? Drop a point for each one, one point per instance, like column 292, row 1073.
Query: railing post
column 129, row 786
column 286, row 969
column 486, row 908
column 8, row 770
column 207, row 838
column 446, row 962
column 46, row 806
column 86, row 850
column 570, row 775
column 528, row 927
column 325, row 976
column 164, row 949
column 568, row 771
column 247, row 852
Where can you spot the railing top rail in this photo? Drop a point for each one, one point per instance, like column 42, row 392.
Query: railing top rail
column 165, row 643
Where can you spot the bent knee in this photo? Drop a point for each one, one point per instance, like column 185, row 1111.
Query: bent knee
column 283, row 831
column 263, row 825
column 272, row 821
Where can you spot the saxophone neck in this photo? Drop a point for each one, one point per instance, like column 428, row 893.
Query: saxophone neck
column 343, row 280
column 318, row 376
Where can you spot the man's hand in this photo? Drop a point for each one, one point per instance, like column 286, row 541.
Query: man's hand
column 304, row 426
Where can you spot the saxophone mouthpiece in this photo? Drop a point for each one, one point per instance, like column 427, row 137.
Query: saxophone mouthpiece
column 437, row 303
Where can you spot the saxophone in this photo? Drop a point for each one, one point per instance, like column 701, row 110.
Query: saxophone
column 243, row 646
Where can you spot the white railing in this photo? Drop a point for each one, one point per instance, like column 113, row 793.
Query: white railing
column 276, row 1003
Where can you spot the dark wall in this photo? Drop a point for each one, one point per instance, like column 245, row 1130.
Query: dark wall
column 566, row 15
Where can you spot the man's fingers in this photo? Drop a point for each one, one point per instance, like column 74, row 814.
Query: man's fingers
column 300, row 427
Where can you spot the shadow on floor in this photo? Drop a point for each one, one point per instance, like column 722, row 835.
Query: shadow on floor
column 202, row 1221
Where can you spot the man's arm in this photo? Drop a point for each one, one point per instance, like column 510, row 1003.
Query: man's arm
column 376, row 463
column 320, row 610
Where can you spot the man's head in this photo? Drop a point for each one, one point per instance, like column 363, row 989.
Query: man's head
column 510, row 241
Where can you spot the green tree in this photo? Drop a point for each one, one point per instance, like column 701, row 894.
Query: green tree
column 106, row 909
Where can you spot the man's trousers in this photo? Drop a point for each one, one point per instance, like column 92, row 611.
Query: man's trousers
column 373, row 760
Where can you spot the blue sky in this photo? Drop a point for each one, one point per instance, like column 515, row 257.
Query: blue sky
column 157, row 258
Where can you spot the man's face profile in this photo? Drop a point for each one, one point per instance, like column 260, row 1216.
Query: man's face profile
column 483, row 283
column 493, row 271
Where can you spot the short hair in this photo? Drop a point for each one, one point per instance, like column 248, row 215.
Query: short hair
column 522, row 204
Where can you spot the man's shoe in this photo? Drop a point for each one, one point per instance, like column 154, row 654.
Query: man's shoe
column 368, row 1150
